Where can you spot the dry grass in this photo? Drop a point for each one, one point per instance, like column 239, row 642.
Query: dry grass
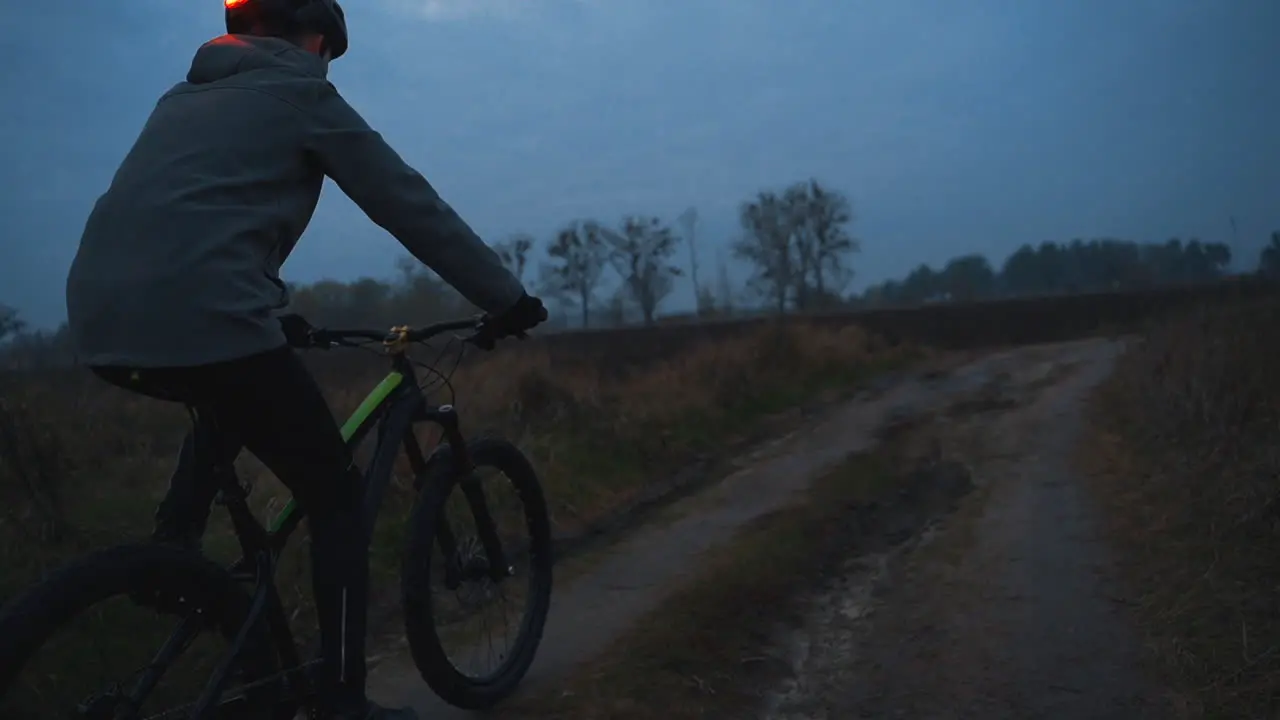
column 82, row 465
column 1187, row 460
column 703, row 652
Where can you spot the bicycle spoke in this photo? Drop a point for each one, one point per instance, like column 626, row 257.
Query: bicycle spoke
column 468, row 621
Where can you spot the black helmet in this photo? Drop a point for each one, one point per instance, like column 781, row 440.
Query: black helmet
column 319, row 16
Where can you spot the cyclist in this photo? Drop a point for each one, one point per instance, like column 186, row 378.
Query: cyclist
column 175, row 286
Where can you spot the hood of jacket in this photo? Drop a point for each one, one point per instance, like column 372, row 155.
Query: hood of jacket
column 231, row 55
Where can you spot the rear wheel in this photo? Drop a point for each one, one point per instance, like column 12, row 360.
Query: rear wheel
column 132, row 632
column 447, row 584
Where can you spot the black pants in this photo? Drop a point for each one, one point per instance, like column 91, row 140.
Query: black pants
column 270, row 404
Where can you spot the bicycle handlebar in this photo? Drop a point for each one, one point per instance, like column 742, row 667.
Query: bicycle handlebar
column 484, row 336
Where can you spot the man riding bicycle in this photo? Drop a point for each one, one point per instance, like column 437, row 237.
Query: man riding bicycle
column 175, row 287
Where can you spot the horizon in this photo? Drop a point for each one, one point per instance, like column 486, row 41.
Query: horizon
column 953, row 130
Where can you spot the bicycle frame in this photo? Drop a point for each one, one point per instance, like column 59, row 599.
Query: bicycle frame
column 393, row 407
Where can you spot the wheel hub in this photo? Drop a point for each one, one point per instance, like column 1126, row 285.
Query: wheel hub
column 476, row 587
column 475, row 568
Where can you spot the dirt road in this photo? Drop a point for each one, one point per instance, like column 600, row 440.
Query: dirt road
column 1013, row 622
column 1008, row 610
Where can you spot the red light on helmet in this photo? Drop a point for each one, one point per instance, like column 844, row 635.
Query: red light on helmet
column 233, row 4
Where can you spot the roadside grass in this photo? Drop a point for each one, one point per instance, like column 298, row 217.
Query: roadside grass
column 1185, row 458
column 704, row 652
column 82, row 465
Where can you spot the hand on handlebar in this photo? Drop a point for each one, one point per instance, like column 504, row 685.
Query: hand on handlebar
column 297, row 331
column 525, row 314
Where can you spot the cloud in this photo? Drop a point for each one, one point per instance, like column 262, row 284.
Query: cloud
column 977, row 125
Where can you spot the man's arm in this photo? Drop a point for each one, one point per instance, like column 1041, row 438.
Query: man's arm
column 401, row 201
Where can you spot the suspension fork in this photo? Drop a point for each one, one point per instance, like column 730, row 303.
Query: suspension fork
column 499, row 568
column 444, row 534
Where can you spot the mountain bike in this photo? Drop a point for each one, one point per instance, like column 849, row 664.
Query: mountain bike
column 241, row 604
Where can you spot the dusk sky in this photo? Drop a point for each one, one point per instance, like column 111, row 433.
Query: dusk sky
column 954, row 126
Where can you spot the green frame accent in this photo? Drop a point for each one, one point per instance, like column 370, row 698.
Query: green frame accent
column 370, row 403
column 375, row 398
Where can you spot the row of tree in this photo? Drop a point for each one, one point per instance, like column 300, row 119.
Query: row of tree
column 796, row 244
column 795, row 240
column 1059, row 268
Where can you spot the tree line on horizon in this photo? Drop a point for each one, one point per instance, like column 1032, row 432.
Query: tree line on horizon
column 796, row 243
column 1050, row 268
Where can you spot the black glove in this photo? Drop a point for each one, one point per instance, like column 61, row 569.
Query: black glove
column 524, row 315
column 297, row 331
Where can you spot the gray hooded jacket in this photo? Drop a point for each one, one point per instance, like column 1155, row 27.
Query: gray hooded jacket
column 179, row 261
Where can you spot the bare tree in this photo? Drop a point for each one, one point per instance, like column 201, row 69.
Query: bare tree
column 829, row 213
column 641, row 254
column 798, row 244
column 724, row 287
column 796, row 207
column 766, row 244
column 514, row 252
column 576, row 261
column 1269, row 258
column 689, row 219
column 615, row 308
column 10, row 323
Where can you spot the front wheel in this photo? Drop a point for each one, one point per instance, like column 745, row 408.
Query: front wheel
column 450, row 579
